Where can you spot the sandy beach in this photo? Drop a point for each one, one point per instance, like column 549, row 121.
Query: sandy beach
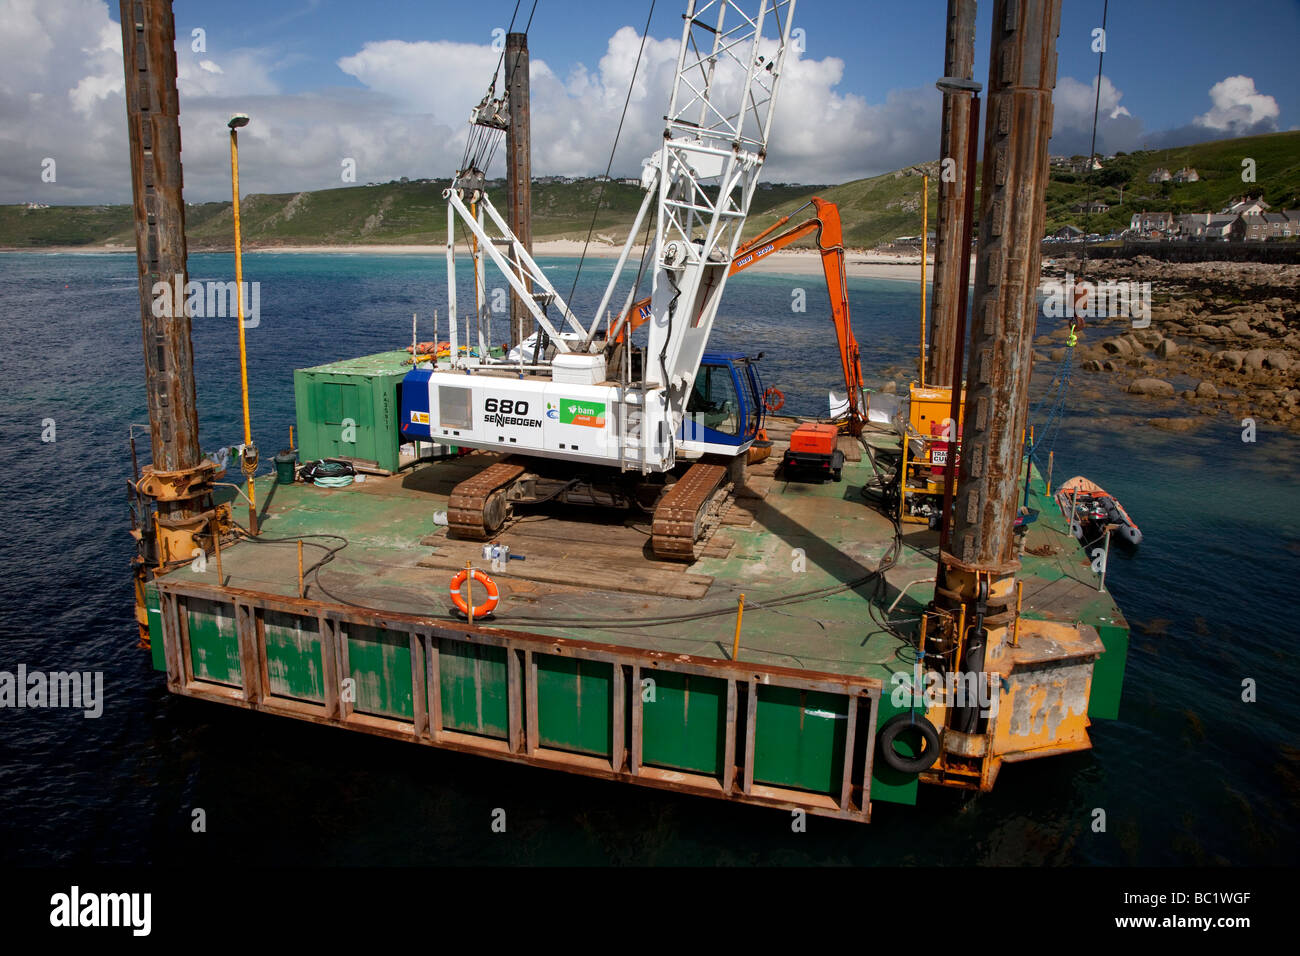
column 800, row 262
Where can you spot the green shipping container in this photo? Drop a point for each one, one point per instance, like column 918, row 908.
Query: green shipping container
column 349, row 409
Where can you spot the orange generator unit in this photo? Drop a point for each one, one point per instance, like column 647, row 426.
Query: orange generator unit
column 813, row 452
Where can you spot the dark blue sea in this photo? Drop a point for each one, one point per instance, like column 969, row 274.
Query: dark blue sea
column 1190, row 774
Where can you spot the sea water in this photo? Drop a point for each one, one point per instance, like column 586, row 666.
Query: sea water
column 1196, row 770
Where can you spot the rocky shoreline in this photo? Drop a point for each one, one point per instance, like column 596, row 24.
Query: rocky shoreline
column 1223, row 339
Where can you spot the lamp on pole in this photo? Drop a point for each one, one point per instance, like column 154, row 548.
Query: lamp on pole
column 248, row 461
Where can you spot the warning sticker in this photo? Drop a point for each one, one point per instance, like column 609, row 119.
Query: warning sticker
column 419, row 418
column 590, row 414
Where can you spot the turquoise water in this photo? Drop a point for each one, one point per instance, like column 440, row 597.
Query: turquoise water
column 1189, row 774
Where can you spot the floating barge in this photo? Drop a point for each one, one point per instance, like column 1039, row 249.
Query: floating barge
column 787, row 664
column 791, row 723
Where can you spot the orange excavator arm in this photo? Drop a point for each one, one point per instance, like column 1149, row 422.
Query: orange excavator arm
column 830, row 243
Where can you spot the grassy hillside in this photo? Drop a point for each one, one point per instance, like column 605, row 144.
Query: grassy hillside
column 387, row 213
column 877, row 210
column 1277, row 171
column 62, row 225
column 873, row 211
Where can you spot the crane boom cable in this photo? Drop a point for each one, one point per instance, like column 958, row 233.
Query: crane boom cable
column 600, row 195
column 1096, row 110
column 483, row 140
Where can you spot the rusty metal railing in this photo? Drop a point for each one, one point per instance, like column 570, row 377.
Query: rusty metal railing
column 522, row 740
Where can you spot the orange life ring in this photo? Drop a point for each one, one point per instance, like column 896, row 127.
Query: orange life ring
column 462, row 605
column 773, row 399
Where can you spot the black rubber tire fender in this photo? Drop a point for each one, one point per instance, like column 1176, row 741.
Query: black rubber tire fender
column 897, row 725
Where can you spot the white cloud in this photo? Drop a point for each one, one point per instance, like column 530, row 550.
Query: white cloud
column 401, row 110
column 819, row 134
column 61, row 90
column 1074, row 102
column 1239, row 108
column 61, row 96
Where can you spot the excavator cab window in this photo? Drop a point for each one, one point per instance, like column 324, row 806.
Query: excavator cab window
column 713, row 402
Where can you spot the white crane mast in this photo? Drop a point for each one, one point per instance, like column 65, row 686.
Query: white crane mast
column 728, row 71
column 701, row 181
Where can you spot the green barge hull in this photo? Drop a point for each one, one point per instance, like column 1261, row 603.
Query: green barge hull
column 604, row 662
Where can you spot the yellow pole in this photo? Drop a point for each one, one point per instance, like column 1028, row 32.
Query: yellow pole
column 925, row 248
column 216, row 548
column 1020, row 595
column 158, row 541
column 961, row 635
column 735, row 644
column 248, row 462
column 1050, row 456
column 469, row 590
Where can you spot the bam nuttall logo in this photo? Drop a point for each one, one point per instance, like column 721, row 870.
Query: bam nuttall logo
column 577, row 412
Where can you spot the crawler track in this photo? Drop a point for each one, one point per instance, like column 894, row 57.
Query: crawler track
column 689, row 512
column 478, row 505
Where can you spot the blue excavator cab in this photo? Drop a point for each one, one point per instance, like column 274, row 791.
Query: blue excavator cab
column 725, row 409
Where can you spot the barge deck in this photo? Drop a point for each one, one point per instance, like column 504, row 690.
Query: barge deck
column 602, row 660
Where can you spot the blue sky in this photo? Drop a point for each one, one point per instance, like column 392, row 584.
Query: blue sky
column 1164, row 54
column 390, row 82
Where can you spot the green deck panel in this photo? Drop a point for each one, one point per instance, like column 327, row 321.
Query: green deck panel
column 799, row 739
column 214, row 646
column 1095, row 606
column 295, row 665
column 1108, row 674
column 575, row 704
column 153, row 609
column 474, row 689
column 836, row 534
column 380, row 663
column 888, row 784
column 683, row 722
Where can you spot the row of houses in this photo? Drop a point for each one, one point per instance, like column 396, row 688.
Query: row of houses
column 1077, row 164
column 570, row 180
column 1184, row 175
column 1244, row 219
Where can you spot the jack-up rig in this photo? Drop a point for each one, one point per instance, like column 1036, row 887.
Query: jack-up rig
column 709, row 620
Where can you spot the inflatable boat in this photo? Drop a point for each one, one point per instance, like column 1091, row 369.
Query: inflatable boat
column 1093, row 512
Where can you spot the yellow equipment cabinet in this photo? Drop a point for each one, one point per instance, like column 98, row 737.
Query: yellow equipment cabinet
column 930, row 436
